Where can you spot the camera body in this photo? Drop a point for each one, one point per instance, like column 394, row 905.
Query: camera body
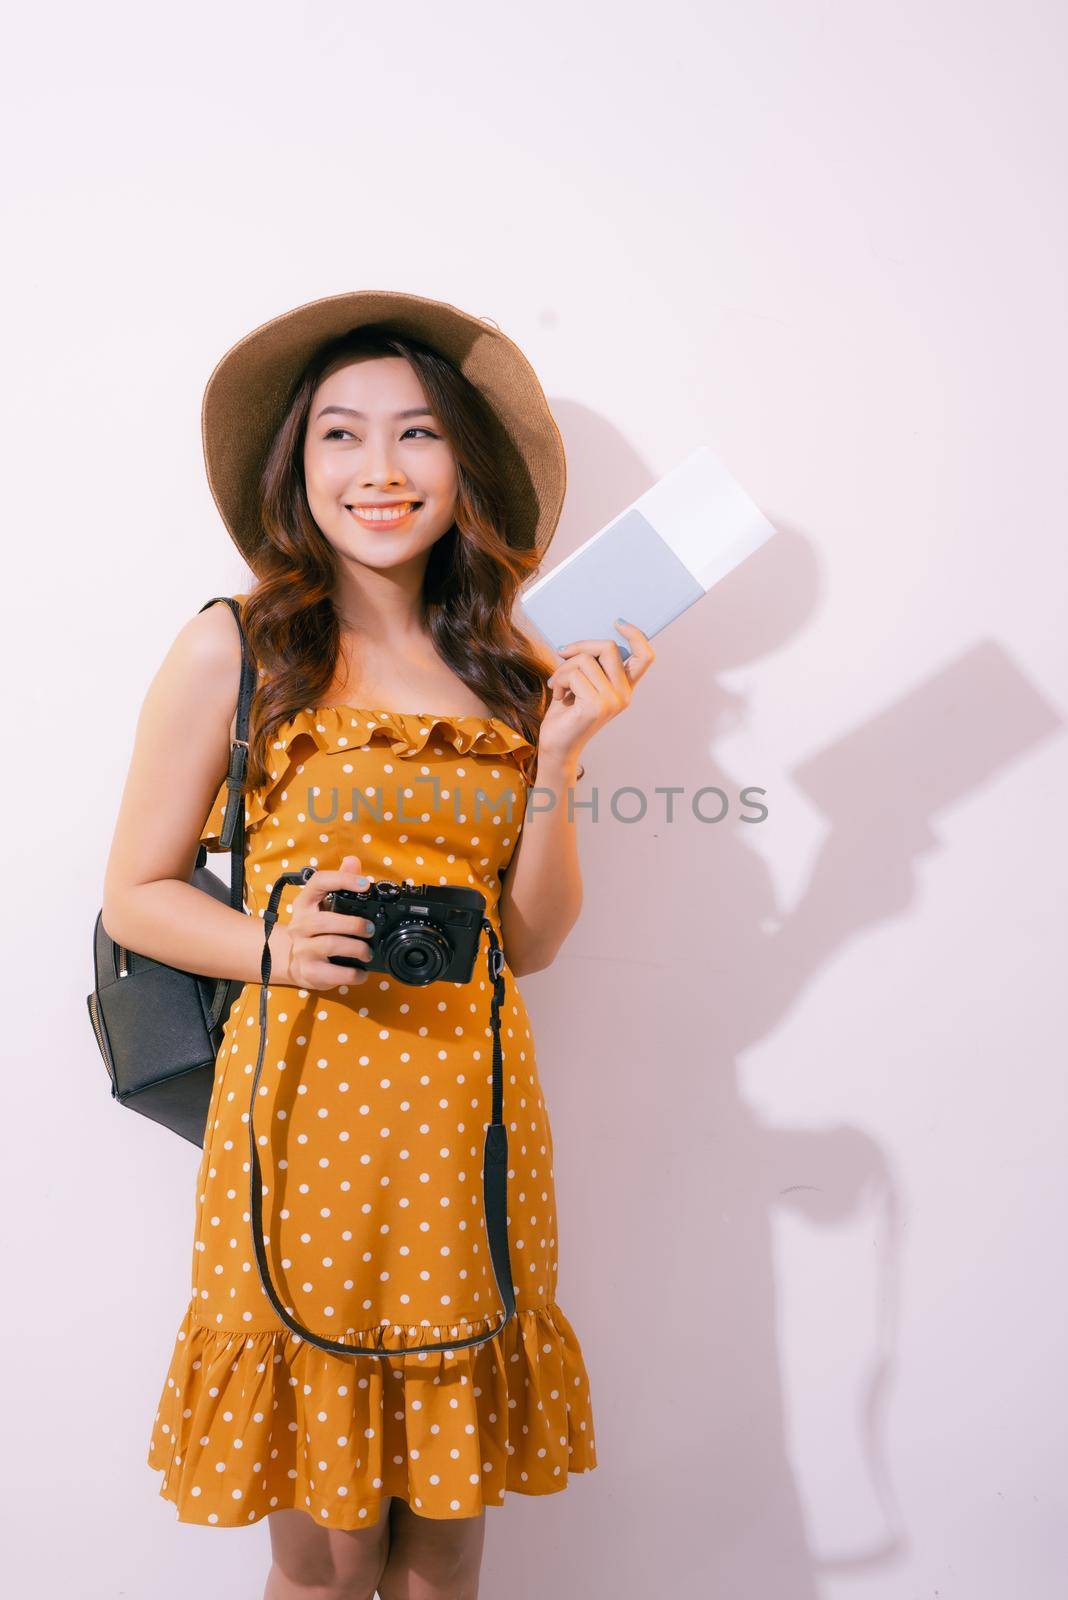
column 424, row 933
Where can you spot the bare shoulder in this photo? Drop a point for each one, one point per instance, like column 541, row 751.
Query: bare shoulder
column 211, row 638
column 207, row 652
column 197, row 681
column 180, row 752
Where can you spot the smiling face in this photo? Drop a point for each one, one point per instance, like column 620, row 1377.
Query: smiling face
column 373, row 449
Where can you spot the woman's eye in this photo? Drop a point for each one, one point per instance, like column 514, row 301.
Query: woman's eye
column 335, row 433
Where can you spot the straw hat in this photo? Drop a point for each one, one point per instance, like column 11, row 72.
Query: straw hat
column 247, row 394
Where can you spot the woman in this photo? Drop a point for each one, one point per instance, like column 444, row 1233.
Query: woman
column 390, row 469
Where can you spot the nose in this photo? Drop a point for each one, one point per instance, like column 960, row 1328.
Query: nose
column 378, row 467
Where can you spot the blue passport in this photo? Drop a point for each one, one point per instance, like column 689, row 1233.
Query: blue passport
column 653, row 561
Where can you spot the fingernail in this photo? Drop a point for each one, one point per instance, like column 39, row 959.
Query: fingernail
column 623, row 619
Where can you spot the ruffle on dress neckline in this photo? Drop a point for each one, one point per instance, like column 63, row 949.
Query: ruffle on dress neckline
column 390, row 1426
column 342, row 728
column 349, row 727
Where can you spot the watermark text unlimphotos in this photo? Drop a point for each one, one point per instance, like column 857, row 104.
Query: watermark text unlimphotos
column 418, row 799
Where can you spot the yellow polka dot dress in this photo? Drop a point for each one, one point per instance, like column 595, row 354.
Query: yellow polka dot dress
column 371, row 1116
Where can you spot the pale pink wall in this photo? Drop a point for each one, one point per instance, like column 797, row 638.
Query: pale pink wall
column 806, row 1078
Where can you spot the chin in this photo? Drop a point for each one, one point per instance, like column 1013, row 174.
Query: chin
column 371, row 554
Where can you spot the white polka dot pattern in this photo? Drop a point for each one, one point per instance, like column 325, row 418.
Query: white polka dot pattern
column 371, row 1118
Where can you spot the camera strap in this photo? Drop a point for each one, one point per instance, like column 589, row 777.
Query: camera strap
column 494, row 1161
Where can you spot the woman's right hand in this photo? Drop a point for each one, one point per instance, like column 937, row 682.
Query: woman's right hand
column 315, row 934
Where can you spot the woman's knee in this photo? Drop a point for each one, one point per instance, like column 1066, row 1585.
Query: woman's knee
column 432, row 1558
column 310, row 1562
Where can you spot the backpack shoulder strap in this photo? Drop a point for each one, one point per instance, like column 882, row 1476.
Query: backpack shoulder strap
column 232, row 832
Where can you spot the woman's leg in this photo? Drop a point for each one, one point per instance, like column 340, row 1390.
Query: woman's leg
column 315, row 1563
column 432, row 1558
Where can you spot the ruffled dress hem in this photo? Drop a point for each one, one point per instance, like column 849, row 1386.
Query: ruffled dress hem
column 253, row 1422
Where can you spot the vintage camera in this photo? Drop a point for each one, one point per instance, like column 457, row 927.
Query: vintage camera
column 423, row 933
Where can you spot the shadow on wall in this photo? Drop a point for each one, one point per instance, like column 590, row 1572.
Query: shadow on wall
column 668, row 1178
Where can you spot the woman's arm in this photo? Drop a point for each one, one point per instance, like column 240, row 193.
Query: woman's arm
column 180, row 758
column 541, row 894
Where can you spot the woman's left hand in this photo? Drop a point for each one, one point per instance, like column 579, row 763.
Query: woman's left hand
column 593, row 685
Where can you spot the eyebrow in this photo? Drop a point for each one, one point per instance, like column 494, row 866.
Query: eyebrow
column 347, row 411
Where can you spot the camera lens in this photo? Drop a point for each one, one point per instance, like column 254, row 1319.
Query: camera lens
column 416, row 953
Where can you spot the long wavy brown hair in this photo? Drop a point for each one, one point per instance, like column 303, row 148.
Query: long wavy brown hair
column 472, row 577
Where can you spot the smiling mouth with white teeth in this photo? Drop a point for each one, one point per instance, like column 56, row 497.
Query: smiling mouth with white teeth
column 398, row 512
